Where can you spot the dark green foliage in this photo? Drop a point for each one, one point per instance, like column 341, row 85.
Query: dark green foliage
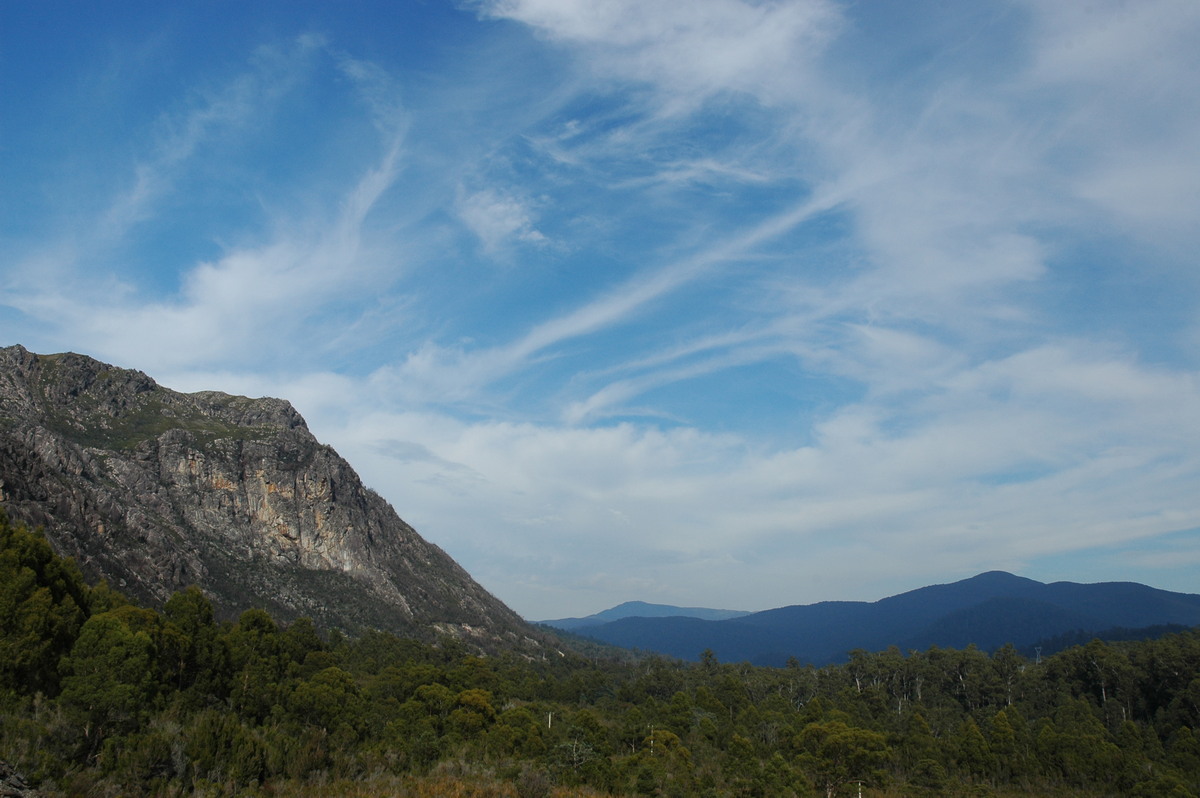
column 330, row 700
column 834, row 754
column 195, row 656
column 101, row 696
column 43, row 603
column 259, row 666
column 110, row 679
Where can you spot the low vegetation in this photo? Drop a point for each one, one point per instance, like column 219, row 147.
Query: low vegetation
column 101, row 697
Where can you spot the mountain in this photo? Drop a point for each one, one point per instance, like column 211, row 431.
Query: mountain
column 155, row 490
column 987, row 610
column 640, row 609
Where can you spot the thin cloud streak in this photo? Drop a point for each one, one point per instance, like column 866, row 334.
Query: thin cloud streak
column 275, row 71
column 251, row 293
column 463, row 373
column 247, row 295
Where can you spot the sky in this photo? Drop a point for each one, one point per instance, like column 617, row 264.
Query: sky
column 721, row 303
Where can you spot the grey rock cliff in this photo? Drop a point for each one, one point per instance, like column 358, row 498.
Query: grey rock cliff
column 155, row 490
column 13, row 785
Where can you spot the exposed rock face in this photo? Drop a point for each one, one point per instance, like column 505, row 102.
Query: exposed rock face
column 12, row 784
column 155, row 490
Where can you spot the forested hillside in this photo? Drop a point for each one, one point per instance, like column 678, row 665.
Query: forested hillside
column 101, row 697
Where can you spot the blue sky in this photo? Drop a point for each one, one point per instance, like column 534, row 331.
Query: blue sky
column 721, row 303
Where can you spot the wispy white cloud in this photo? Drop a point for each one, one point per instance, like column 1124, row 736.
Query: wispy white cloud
column 380, row 92
column 1129, row 143
column 262, row 296
column 975, row 441
column 713, row 46
column 704, row 216
column 437, row 373
column 940, row 206
column 498, row 218
column 967, row 478
column 209, row 115
column 257, row 298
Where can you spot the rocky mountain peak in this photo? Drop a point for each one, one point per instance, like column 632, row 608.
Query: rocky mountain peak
column 155, row 490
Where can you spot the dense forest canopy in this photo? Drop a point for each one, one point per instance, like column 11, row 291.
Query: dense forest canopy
column 101, row 697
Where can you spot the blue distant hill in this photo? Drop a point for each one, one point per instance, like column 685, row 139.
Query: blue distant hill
column 988, row 610
column 640, row 609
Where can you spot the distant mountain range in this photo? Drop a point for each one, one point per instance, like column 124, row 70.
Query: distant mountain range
column 640, row 609
column 987, row 610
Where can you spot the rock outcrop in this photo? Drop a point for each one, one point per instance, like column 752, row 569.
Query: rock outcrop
column 155, row 490
column 13, row 784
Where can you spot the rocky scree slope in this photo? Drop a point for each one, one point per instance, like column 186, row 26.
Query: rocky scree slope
column 156, row 490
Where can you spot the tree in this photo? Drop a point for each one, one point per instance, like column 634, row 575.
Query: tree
column 329, row 700
column 258, row 664
column 917, row 742
column 1008, row 666
column 472, row 713
column 109, row 677
column 834, row 754
column 1184, row 752
column 299, row 640
column 972, row 754
column 1077, row 748
column 193, row 654
column 1006, row 748
column 43, row 604
column 517, row 733
column 929, row 777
